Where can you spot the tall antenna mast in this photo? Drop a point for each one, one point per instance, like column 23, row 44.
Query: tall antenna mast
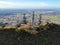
column 24, row 19
column 33, row 18
column 40, row 17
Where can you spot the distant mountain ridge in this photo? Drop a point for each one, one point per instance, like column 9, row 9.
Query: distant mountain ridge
column 15, row 11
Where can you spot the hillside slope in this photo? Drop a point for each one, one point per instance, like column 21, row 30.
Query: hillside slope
column 50, row 36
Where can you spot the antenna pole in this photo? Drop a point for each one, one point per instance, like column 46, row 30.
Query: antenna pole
column 24, row 19
column 33, row 18
column 40, row 17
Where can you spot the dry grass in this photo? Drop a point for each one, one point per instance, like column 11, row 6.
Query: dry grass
column 9, row 27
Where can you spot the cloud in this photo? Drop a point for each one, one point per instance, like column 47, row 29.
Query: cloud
column 4, row 4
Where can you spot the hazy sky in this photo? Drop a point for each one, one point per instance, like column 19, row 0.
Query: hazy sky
column 29, row 4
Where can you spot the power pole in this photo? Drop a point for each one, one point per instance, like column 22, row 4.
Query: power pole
column 24, row 19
